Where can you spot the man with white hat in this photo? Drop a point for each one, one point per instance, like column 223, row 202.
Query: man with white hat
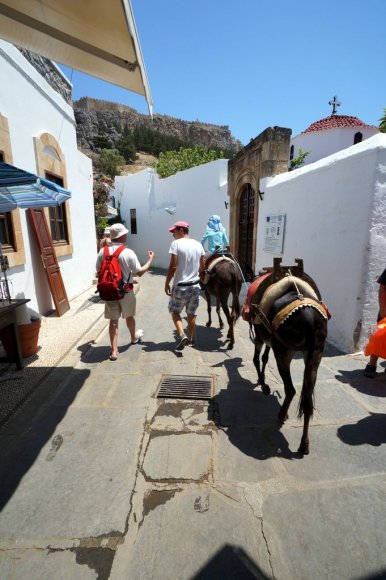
column 186, row 263
column 125, row 307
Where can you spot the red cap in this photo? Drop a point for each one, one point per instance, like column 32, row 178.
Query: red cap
column 179, row 225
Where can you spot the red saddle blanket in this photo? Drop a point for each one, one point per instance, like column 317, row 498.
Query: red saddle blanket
column 246, row 309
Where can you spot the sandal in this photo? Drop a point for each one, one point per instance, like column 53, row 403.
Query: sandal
column 113, row 357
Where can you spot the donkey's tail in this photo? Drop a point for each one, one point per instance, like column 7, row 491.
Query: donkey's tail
column 235, row 289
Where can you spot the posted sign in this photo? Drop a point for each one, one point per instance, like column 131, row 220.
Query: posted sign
column 274, row 233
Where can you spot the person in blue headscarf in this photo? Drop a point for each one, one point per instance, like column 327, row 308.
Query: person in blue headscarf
column 215, row 235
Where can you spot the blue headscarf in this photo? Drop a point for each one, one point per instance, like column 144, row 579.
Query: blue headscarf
column 214, row 224
column 215, row 234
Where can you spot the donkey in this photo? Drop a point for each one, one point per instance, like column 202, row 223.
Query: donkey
column 292, row 322
column 222, row 278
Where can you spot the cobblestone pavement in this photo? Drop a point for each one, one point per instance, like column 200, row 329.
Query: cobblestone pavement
column 58, row 335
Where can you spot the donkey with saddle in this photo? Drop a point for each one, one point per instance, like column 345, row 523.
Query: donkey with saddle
column 286, row 313
column 222, row 277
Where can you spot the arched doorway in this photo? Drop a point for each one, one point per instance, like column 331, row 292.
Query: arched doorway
column 246, row 226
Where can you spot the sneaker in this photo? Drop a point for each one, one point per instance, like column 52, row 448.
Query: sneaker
column 370, row 371
column 191, row 343
column 182, row 342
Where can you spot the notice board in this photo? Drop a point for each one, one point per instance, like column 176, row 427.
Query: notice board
column 274, row 233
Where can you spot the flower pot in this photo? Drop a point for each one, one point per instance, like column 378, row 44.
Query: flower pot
column 29, row 337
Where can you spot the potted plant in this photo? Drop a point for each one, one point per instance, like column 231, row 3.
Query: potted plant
column 28, row 323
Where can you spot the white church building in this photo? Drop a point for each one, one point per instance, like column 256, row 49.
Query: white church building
column 330, row 135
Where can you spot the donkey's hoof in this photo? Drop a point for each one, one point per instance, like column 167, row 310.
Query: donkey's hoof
column 208, row 324
column 265, row 388
column 304, row 447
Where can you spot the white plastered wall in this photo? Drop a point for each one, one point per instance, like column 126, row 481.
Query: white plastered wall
column 194, row 195
column 32, row 107
column 335, row 220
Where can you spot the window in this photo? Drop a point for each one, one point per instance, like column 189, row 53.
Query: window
column 58, row 223
column 6, row 231
column 133, row 221
column 7, row 239
column 292, row 152
column 358, row 138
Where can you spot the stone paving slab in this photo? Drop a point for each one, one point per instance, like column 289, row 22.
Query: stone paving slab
column 216, row 538
column 236, row 453
column 327, row 533
column 69, row 480
column 166, row 456
column 82, row 564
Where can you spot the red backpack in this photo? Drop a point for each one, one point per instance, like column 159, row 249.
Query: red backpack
column 111, row 285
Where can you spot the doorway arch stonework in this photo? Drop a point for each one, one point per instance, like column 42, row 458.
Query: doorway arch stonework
column 266, row 155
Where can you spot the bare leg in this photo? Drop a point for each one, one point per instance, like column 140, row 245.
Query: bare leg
column 178, row 323
column 113, row 332
column 130, row 323
column 191, row 325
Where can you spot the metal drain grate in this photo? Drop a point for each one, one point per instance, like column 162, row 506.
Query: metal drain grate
column 184, row 387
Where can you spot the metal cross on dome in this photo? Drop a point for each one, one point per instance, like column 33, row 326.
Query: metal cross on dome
column 335, row 104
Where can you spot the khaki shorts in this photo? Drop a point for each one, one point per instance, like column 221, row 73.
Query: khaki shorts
column 121, row 308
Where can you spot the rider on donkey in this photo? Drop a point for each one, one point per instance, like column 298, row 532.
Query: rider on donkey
column 215, row 236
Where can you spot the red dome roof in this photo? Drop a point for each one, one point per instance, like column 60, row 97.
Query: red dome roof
column 336, row 122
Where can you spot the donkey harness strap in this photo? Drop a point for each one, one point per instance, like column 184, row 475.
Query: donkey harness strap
column 283, row 314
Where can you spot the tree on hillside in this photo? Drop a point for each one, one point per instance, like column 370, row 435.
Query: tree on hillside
column 127, row 149
column 108, row 162
column 169, row 162
column 382, row 124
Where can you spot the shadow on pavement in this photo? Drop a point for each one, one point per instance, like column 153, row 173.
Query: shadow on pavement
column 248, row 417
column 373, row 387
column 230, row 562
column 368, row 431
column 27, row 432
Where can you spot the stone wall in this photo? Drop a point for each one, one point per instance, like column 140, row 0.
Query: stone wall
column 50, row 73
column 264, row 156
column 105, row 119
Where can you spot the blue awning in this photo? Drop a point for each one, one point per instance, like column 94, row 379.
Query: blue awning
column 19, row 188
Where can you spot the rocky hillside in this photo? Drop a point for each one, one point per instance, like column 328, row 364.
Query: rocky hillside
column 103, row 119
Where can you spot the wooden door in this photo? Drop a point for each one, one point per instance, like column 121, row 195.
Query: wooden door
column 246, row 225
column 50, row 263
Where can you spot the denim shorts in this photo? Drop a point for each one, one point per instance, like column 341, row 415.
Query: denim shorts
column 188, row 296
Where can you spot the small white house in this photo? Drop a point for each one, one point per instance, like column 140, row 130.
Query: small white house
column 38, row 134
column 150, row 205
column 329, row 135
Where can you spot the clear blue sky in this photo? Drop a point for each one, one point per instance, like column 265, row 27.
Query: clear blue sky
column 252, row 64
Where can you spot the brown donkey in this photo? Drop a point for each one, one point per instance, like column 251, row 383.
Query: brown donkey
column 222, row 278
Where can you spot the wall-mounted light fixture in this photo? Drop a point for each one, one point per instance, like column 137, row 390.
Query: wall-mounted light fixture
column 261, row 195
column 226, row 204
